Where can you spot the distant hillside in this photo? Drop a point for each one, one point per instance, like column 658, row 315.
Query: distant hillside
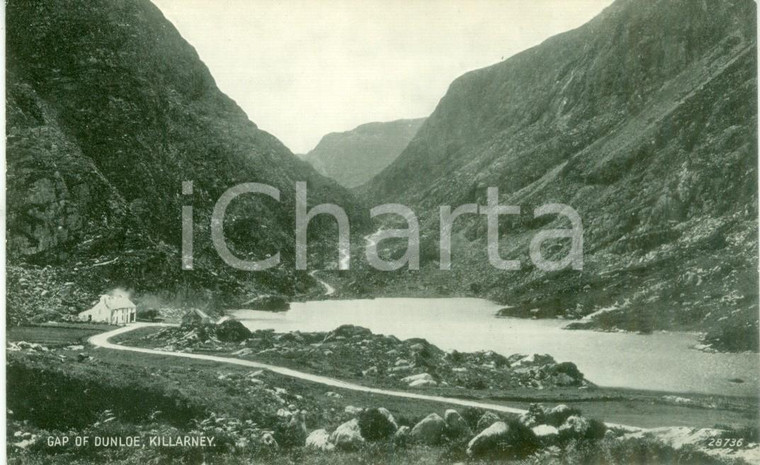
column 643, row 120
column 354, row 157
column 109, row 110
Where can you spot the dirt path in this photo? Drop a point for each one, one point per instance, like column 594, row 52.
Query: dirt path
column 102, row 340
column 329, row 290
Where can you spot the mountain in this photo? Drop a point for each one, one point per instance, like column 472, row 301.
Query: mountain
column 643, row 120
column 109, row 111
column 354, row 157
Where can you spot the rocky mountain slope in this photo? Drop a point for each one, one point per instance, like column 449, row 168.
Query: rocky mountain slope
column 644, row 121
column 354, row 157
column 109, row 110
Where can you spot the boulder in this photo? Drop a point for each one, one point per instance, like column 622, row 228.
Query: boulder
column 371, row 371
column 557, row 415
column 531, row 360
column 268, row 440
column 429, row 430
column 488, row 439
column 547, row 434
column 562, row 379
column 420, row 383
column 402, row 435
column 232, row 331
column 419, row 380
column 418, row 377
column 351, row 410
column 574, row 427
column 569, row 369
column 376, row 424
column 578, row 427
column 349, row 331
column 347, row 436
column 387, row 414
column 486, row 420
column 272, row 303
column 534, row 416
column 457, row 426
column 503, row 440
column 295, row 432
column 319, row 440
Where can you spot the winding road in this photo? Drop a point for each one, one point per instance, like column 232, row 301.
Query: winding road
column 329, row 290
column 102, row 340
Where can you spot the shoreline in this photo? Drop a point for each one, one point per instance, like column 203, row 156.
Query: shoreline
column 737, row 369
column 601, row 398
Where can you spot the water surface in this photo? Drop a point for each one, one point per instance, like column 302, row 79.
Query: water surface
column 660, row 361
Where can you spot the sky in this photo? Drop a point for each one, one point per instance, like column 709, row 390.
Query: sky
column 301, row 69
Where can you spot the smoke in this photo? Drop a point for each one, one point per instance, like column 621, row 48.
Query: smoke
column 120, row 292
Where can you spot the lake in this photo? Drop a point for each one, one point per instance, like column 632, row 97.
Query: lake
column 660, row 361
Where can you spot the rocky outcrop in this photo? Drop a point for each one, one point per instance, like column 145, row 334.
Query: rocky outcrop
column 351, row 351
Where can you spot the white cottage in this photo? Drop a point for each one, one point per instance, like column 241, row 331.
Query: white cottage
column 115, row 310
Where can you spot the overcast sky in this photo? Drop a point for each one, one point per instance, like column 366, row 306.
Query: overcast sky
column 303, row 68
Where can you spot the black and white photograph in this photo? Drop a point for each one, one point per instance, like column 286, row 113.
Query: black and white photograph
column 400, row 232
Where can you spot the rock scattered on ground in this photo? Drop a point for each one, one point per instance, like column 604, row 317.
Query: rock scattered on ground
column 355, row 352
column 429, row 430
column 347, row 436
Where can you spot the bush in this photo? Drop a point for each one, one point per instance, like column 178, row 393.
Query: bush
column 374, row 426
column 148, row 314
column 733, row 336
column 570, row 369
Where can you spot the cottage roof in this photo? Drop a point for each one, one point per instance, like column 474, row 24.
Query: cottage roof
column 116, row 302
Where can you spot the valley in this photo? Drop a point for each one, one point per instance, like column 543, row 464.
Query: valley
column 558, row 265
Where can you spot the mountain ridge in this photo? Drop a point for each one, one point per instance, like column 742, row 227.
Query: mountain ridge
column 644, row 121
column 109, row 111
column 353, row 157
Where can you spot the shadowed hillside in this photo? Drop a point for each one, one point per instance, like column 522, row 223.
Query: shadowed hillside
column 109, row 110
column 644, row 121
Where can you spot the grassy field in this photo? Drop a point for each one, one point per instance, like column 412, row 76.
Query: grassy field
column 55, row 334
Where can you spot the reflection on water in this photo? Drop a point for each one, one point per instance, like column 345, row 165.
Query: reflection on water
column 661, row 361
